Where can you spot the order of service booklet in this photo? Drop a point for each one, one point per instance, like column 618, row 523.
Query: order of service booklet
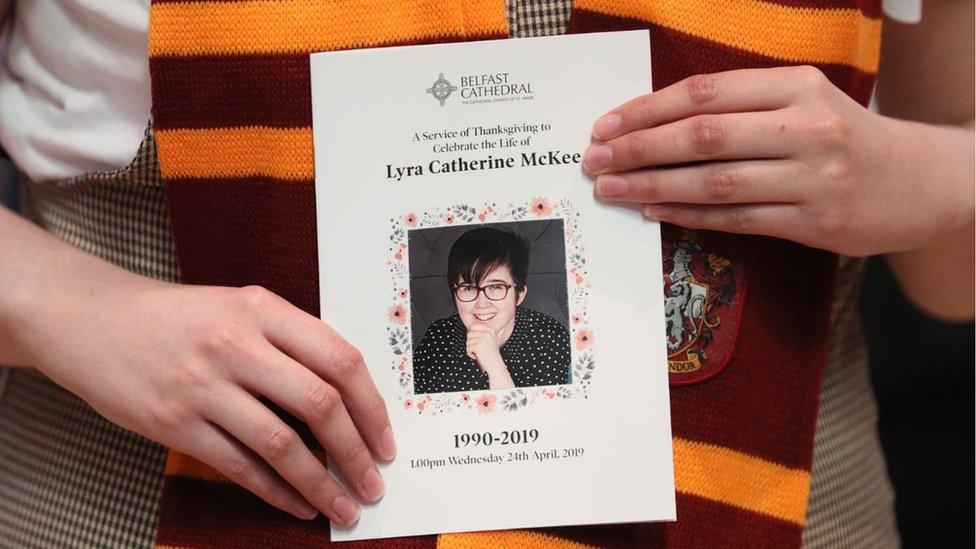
column 513, row 323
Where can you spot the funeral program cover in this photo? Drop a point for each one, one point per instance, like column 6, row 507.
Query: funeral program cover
column 512, row 322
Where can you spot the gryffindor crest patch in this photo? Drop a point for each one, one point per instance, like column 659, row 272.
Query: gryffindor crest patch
column 704, row 290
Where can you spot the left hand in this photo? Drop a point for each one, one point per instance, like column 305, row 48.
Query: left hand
column 779, row 152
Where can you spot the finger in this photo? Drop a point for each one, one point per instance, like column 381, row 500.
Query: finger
column 481, row 341
column 736, row 136
column 306, row 396
column 710, row 183
column 778, row 220
column 216, row 448
column 311, row 342
column 258, row 428
column 474, row 338
column 733, row 91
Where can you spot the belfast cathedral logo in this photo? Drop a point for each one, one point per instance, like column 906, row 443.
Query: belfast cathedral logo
column 703, row 290
column 441, row 89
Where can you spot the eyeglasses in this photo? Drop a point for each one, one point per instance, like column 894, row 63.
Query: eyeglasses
column 495, row 291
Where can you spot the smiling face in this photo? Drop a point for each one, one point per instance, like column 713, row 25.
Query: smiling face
column 497, row 315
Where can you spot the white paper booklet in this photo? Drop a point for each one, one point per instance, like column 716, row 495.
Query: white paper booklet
column 514, row 324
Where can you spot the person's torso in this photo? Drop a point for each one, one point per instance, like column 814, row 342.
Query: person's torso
column 532, row 19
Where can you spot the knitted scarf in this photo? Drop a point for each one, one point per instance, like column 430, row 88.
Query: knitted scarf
column 232, row 114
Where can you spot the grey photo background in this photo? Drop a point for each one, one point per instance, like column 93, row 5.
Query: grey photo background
column 430, row 297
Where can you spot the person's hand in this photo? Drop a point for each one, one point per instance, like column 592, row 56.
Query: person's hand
column 185, row 365
column 779, row 152
column 482, row 345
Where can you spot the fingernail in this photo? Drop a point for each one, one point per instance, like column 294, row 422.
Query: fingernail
column 304, row 510
column 597, row 157
column 611, row 185
column 607, row 127
column 654, row 211
column 347, row 510
column 373, row 485
column 388, row 448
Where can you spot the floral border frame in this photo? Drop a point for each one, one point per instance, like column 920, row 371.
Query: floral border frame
column 578, row 292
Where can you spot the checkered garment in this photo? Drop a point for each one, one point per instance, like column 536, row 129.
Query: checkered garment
column 69, row 478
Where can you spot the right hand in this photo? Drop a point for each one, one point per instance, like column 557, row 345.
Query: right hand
column 482, row 346
column 184, row 366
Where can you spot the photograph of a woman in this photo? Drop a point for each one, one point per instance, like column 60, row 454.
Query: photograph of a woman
column 492, row 342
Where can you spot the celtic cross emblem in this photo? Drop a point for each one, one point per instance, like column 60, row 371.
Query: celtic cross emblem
column 441, row 89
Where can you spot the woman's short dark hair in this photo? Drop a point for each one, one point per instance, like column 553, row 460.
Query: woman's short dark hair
column 480, row 251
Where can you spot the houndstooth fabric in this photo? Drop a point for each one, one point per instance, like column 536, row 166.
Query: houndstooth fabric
column 119, row 216
column 537, row 18
column 69, row 478
column 851, row 499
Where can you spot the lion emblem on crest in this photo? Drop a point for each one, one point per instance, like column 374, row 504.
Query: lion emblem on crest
column 701, row 289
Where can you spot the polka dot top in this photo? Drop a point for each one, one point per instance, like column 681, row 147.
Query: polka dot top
column 537, row 353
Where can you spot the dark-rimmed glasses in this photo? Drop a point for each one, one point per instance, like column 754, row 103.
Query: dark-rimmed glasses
column 496, row 291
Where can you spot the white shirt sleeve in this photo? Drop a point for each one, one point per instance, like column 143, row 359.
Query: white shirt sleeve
column 903, row 11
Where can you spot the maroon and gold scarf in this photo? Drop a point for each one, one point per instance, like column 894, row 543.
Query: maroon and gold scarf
column 232, row 114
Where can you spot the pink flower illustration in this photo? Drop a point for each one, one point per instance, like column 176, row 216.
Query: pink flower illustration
column 421, row 405
column 402, row 365
column 399, row 253
column 449, row 218
column 403, row 293
column 466, row 398
column 407, row 404
column 410, row 219
column 486, row 403
column 398, row 314
column 584, row 339
column 577, row 319
column 541, row 206
column 485, row 213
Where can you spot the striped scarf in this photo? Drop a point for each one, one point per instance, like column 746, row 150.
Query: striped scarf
column 232, row 112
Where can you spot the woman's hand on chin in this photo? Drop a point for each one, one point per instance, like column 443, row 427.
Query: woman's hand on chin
column 482, row 346
column 782, row 152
